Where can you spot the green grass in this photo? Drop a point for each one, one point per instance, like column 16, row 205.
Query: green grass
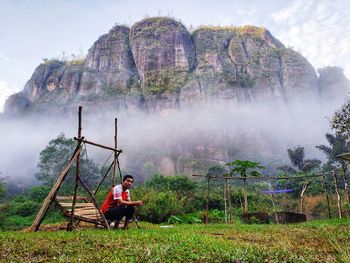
column 318, row 241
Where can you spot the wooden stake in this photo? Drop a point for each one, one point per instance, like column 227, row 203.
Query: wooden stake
column 225, row 201
column 346, row 185
column 327, row 197
column 305, row 186
column 245, row 195
column 77, row 175
column 338, row 194
column 207, row 203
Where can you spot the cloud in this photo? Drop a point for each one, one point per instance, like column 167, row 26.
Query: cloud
column 5, row 91
column 319, row 30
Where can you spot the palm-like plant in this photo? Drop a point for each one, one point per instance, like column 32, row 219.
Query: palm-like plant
column 338, row 145
column 245, row 168
column 299, row 164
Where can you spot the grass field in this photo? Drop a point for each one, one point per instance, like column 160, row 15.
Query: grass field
column 317, row 241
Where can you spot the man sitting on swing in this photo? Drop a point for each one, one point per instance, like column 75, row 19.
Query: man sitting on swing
column 118, row 203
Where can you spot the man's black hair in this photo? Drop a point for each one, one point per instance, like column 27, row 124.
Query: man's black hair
column 128, row 176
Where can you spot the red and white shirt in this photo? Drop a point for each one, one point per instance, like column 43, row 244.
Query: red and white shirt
column 115, row 193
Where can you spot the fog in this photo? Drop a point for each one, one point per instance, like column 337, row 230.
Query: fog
column 215, row 132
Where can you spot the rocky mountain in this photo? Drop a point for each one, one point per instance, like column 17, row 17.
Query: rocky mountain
column 158, row 65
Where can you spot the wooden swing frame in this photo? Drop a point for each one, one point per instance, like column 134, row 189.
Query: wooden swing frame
column 87, row 208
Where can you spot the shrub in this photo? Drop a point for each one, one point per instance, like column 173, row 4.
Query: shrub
column 38, row 193
column 158, row 206
column 22, row 207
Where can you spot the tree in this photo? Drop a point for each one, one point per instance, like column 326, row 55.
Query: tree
column 2, row 188
column 340, row 121
column 245, row 168
column 181, row 185
column 338, row 145
column 217, row 171
column 55, row 157
column 300, row 166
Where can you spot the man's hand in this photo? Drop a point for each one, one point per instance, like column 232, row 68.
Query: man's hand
column 139, row 203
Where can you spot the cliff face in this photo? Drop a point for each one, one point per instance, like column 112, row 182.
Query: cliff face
column 333, row 84
column 248, row 64
column 157, row 65
column 109, row 64
column 164, row 55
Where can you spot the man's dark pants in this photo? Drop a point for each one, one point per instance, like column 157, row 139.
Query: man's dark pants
column 118, row 212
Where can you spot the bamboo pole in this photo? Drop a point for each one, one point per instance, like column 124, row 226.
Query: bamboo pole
column 338, row 194
column 116, row 148
column 97, row 145
column 115, row 155
column 77, row 175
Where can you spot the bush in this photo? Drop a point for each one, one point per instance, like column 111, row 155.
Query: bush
column 38, row 193
column 158, row 206
column 22, row 207
column 216, row 216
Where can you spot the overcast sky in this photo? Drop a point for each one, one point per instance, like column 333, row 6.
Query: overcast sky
column 34, row 29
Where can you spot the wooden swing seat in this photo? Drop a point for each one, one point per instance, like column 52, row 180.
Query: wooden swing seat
column 83, row 211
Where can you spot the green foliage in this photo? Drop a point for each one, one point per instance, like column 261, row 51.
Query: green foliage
column 338, row 145
column 2, row 190
column 159, row 81
column 55, row 98
column 63, row 58
column 165, row 196
column 185, row 219
column 22, row 207
column 243, row 30
column 299, row 163
column 52, row 61
column 300, row 167
column 341, row 121
column 38, row 193
column 135, row 87
column 21, row 210
column 158, row 206
column 216, row 171
column 245, row 167
column 56, row 156
column 110, row 91
column 277, row 52
column 181, row 185
column 3, row 208
column 216, row 216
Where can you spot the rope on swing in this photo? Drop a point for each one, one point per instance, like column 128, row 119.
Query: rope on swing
column 101, row 170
